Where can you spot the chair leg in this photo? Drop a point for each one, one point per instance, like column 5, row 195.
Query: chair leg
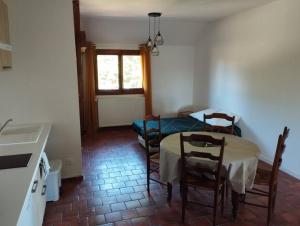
column 180, row 189
column 274, row 200
column 228, row 182
column 169, row 186
column 269, row 216
column 243, row 197
column 148, row 173
column 222, row 200
column 270, row 202
column 216, row 201
column 183, row 201
column 227, row 190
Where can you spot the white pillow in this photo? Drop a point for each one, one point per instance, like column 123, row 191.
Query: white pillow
column 216, row 122
column 200, row 114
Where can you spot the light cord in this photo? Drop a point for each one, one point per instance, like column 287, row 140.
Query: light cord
column 154, row 28
column 149, row 26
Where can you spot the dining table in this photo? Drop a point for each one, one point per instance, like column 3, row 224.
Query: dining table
column 240, row 159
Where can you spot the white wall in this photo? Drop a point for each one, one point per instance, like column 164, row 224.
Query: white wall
column 172, row 70
column 172, row 79
column 201, row 69
column 254, row 72
column 42, row 86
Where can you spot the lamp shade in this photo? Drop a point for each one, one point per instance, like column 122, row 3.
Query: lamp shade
column 155, row 50
column 149, row 42
column 159, row 39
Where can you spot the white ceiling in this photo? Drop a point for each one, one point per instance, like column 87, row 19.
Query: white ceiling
column 189, row 9
column 111, row 30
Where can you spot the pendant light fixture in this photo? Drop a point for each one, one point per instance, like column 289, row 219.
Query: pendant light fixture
column 157, row 37
column 149, row 41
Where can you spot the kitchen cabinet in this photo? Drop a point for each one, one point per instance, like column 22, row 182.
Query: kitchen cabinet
column 34, row 206
column 23, row 190
column 5, row 46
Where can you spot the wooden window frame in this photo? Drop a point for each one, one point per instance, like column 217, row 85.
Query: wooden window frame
column 121, row 90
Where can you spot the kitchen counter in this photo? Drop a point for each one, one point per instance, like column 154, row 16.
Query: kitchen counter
column 16, row 184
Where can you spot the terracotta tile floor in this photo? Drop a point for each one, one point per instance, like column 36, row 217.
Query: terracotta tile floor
column 113, row 192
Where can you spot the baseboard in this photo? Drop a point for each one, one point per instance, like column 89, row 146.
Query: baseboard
column 73, row 179
column 114, row 127
column 267, row 160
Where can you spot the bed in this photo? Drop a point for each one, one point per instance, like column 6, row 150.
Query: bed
column 175, row 125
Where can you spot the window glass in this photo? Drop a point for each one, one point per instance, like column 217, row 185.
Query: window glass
column 132, row 72
column 108, row 72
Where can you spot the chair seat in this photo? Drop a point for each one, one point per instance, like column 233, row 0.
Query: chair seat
column 154, row 158
column 196, row 173
column 154, row 143
column 262, row 177
column 203, row 181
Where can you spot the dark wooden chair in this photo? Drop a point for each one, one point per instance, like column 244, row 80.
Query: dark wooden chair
column 268, row 179
column 200, row 176
column 219, row 129
column 152, row 137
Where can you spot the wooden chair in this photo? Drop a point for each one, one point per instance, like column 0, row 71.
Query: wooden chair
column 152, row 138
column 200, row 176
column 269, row 179
column 219, row 129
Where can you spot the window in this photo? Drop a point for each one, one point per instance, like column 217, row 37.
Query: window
column 119, row 72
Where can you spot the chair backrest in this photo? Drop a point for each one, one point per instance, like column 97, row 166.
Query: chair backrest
column 152, row 132
column 285, row 133
column 219, row 129
column 216, row 172
column 280, row 148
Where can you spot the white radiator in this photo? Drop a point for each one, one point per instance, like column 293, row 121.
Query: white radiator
column 119, row 110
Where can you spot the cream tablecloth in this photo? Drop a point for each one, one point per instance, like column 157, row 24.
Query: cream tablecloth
column 240, row 153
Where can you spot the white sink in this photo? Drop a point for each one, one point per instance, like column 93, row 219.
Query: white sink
column 20, row 134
